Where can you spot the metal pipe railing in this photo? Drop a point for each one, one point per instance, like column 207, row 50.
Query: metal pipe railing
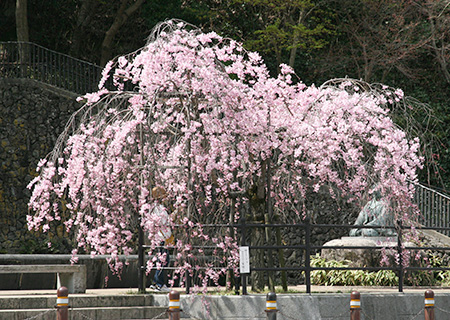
column 434, row 206
column 31, row 61
column 307, row 247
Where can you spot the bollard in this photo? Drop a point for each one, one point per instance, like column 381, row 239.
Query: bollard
column 355, row 305
column 62, row 304
column 429, row 305
column 271, row 306
column 174, row 305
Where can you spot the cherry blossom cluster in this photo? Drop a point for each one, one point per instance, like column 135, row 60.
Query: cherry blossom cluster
column 199, row 115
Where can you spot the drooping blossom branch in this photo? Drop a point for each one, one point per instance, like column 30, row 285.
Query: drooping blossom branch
column 200, row 116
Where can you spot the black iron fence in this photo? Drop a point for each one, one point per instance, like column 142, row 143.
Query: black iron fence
column 31, row 61
column 308, row 248
column 434, row 207
column 400, row 267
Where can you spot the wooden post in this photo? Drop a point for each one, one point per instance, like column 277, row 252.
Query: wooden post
column 355, row 305
column 429, row 305
column 174, row 305
column 62, row 304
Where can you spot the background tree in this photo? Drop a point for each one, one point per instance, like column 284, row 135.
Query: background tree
column 437, row 14
column 22, row 20
column 379, row 36
column 125, row 10
column 85, row 15
column 22, row 33
column 7, row 20
column 277, row 29
column 288, row 26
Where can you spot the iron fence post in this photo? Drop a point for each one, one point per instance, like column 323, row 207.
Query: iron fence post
column 141, row 273
column 243, row 242
column 400, row 256
column 188, row 282
column 188, row 276
column 308, row 255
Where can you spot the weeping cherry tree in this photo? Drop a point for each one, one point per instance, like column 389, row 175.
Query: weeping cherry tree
column 200, row 116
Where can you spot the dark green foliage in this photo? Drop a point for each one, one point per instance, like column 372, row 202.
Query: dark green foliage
column 349, row 277
column 378, row 40
column 40, row 246
column 7, row 20
column 153, row 12
column 378, row 278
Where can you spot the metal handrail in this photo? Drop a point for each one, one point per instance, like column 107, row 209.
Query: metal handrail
column 307, row 268
column 434, row 207
column 26, row 60
column 398, row 245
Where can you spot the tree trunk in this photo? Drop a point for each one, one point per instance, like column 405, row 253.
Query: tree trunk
column 257, row 259
column 368, row 65
column 22, row 35
column 268, row 218
column 269, row 258
column 439, row 53
column 85, row 15
column 22, row 21
column 230, row 275
column 295, row 41
column 121, row 17
column 257, row 234
column 282, row 261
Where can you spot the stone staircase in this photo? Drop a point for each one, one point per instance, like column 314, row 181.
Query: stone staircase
column 82, row 307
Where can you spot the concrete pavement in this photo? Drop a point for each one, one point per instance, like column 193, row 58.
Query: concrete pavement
column 300, row 289
column 325, row 303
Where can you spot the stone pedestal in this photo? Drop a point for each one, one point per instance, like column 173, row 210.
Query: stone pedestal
column 359, row 257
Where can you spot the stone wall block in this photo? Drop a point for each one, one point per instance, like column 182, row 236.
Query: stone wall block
column 32, row 115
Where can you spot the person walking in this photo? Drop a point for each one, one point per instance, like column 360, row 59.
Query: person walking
column 166, row 239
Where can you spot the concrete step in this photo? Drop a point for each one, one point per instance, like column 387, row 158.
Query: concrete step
column 91, row 313
column 75, row 301
column 84, row 307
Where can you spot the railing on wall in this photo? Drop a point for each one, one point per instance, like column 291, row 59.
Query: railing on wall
column 401, row 249
column 434, row 207
column 31, row 61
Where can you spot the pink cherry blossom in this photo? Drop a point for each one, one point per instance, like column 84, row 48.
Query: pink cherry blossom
column 203, row 121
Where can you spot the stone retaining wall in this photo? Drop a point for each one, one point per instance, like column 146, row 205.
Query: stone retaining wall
column 331, row 306
column 98, row 273
column 32, row 115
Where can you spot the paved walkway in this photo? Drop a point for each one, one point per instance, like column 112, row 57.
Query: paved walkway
column 301, row 289
column 324, row 303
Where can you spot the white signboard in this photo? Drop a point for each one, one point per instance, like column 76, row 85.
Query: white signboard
column 244, row 255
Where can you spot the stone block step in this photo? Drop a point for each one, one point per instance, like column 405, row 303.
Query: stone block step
column 92, row 313
column 75, row 301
